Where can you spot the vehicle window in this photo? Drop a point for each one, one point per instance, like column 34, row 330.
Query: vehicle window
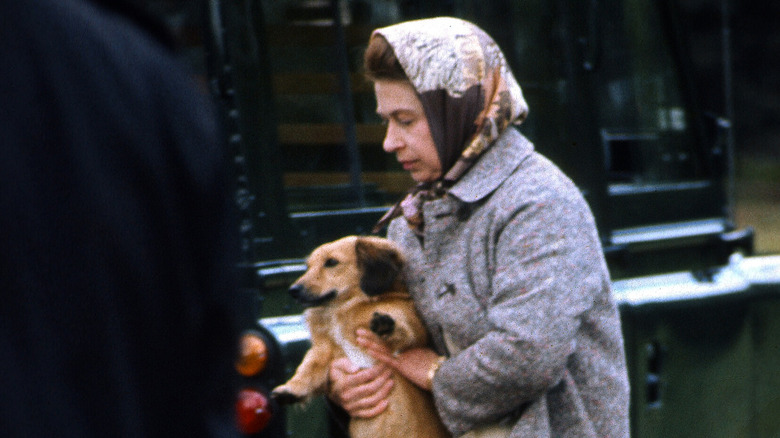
column 328, row 131
column 647, row 132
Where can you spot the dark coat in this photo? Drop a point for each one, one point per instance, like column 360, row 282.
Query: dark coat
column 115, row 237
column 512, row 271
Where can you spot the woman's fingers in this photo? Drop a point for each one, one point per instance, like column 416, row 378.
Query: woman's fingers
column 375, row 347
column 414, row 364
column 364, row 392
column 342, row 366
column 372, row 401
column 360, row 388
column 361, row 392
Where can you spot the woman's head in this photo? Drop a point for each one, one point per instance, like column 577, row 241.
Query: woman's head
column 408, row 135
column 461, row 80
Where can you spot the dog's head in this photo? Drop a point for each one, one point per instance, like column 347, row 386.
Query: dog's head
column 337, row 270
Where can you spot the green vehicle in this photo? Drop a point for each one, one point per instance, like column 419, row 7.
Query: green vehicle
column 614, row 102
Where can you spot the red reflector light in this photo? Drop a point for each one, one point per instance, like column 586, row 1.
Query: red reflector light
column 253, row 355
column 253, row 411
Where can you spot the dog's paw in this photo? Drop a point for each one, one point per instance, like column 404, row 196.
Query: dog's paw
column 382, row 324
column 283, row 397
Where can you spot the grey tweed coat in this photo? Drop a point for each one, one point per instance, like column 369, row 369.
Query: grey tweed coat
column 513, row 272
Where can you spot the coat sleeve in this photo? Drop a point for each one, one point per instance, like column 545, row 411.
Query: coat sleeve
column 547, row 267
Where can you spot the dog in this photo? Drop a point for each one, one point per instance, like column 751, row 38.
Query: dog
column 358, row 282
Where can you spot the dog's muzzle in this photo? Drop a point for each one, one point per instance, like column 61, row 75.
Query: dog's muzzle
column 306, row 299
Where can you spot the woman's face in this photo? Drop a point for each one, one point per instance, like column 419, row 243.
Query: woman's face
column 408, row 135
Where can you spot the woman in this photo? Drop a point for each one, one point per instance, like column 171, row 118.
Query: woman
column 504, row 261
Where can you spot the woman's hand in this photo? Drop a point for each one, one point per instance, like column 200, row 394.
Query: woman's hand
column 361, row 392
column 414, row 364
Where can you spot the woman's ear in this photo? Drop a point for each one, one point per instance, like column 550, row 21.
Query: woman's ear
column 380, row 265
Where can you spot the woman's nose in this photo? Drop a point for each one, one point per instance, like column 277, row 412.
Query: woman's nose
column 392, row 141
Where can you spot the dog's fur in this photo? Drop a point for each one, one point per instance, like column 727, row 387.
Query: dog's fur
column 357, row 282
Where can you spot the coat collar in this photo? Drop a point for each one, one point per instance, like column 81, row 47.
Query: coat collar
column 493, row 168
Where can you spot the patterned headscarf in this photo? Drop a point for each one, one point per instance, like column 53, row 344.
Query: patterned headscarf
column 467, row 91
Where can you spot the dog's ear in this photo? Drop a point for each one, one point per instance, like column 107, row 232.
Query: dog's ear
column 380, row 266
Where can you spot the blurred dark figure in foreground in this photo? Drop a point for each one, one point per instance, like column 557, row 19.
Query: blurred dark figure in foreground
column 116, row 247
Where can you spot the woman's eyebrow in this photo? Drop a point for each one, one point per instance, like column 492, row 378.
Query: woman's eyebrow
column 394, row 113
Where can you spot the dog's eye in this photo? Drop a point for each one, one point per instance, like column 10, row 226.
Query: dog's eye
column 329, row 263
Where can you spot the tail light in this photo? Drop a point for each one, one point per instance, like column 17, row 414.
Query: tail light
column 252, row 411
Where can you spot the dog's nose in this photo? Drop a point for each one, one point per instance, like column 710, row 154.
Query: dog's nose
column 295, row 291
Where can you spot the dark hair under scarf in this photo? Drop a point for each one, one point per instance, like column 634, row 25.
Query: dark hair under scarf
column 467, row 91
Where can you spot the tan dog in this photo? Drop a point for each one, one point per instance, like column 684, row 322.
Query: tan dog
column 358, row 282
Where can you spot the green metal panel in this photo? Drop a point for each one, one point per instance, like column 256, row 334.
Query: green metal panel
column 763, row 273
column 275, row 279
column 703, row 352
column 689, row 346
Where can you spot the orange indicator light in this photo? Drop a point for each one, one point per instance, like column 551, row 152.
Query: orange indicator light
column 253, row 356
